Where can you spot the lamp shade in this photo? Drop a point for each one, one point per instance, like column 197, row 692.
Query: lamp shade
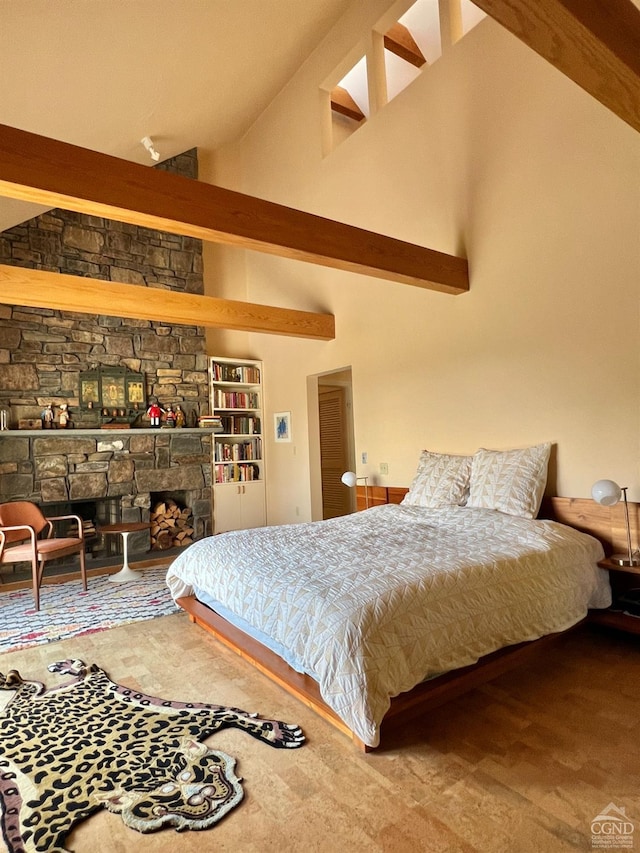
column 606, row 492
column 349, row 478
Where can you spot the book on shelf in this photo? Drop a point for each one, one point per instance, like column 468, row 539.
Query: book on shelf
column 213, row 422
column 238, row 450
column 236, row 399
column 240, row 425
column 236, row 472
column 247, row 374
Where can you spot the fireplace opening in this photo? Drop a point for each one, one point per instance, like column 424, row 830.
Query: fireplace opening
column 94, row 513
column 172, row 522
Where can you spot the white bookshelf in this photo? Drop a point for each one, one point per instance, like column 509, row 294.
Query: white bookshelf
column 236, row 387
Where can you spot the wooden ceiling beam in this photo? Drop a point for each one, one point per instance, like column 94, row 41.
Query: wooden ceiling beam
column 594, row 42
column 46, row 171
column 398, row 40
column 343, row 103
column 43, row 289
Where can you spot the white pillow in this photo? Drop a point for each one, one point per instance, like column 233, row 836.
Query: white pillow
column 511, row 481
column 440, row 480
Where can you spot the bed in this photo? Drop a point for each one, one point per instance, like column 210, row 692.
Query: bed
column 399, row 599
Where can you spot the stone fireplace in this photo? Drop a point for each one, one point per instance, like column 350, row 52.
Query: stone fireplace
column 128, row 469
column 43, row 353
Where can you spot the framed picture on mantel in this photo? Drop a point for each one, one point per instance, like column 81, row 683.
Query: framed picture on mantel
column 112, row 391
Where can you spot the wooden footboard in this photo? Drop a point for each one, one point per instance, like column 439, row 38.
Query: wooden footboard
column 301, row 686
column 425, row 696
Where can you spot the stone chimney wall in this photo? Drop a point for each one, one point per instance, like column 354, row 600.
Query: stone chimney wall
column 42, row 352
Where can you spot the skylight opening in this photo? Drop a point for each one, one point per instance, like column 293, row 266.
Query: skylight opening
column 354, row 84
column 411, row 44
column 398, row 54
column 471, row 15
column 399, row 74
column 349, row 102
column 423, row 22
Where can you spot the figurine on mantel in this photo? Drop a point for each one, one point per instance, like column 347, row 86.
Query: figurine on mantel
column 64, row 417
column 47, row 416
column 169, row 417
column 155, row 412
column 180, row 418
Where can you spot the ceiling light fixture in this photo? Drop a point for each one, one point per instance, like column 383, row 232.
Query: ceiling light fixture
column 148, row 144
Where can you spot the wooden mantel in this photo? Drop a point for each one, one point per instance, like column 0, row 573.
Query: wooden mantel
column 57, row 174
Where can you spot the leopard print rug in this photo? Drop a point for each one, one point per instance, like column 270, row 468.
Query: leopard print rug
column 90, row 743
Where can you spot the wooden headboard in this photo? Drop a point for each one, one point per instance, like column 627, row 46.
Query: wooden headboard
column 379, row 495
column 606, row 523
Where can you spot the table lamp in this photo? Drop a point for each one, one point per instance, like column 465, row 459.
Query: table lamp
column 608, row 493
column 350, row 479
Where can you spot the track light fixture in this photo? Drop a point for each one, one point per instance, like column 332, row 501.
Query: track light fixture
column 148, row 144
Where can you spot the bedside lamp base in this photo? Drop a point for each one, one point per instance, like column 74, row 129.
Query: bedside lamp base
column 625, row 560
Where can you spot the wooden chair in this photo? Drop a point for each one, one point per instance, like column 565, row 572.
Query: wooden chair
column 21, row 526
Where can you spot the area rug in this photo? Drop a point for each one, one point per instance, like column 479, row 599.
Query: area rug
column 91, row 743
column 68, row 611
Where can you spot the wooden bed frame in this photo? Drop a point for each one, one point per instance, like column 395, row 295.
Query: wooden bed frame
column 602, row 522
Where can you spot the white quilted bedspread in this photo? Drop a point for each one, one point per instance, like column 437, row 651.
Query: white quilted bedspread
column 372, row 603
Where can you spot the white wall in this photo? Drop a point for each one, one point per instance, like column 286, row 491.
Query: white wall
column 491, row 153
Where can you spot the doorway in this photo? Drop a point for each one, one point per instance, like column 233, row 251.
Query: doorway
column 337, row 453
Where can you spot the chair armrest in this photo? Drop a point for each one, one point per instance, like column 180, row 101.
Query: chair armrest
column 30, row 534
column 76, row 518
column 18, row 527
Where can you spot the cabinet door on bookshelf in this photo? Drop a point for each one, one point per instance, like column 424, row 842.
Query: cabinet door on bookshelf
column 237, row 506
column 238, row 452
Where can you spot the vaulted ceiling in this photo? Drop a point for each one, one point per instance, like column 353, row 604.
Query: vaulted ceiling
column 103, row 75
column 106, row 73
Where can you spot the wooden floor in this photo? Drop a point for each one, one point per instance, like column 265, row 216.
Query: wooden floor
column 523, row 764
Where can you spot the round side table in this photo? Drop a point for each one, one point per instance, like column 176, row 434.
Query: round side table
column 124, row 528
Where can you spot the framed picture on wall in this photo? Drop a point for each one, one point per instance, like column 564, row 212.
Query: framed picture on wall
column 113, row 389
column 282, row 426
column 89, row 391
column 135, row 390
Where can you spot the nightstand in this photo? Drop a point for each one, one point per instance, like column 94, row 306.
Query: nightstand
column 622, row 578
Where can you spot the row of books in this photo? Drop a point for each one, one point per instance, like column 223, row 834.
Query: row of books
column 238, row 450
column 236, row 399
column 240, row 425
column 213, row 422
column 246, row 373
column 240, row 473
